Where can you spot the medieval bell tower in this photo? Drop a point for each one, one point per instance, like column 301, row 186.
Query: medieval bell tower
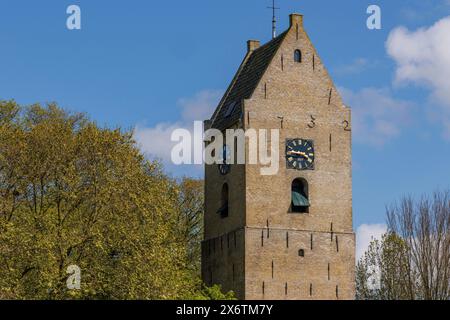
column 288, row 235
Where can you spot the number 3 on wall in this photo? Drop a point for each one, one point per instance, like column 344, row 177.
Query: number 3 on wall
column 312, row 124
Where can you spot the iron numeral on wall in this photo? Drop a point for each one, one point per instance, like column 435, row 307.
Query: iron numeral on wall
column 312, row 124
column 346, row 125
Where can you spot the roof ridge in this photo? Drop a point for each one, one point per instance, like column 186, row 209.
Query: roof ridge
column 281, row 35
column 245, row 81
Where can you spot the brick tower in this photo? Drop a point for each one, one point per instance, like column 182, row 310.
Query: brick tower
column 289, row 235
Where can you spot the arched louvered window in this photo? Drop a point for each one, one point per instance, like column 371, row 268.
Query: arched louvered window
column 299, row 193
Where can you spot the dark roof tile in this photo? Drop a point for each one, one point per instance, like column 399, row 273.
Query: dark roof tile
column 244, row 84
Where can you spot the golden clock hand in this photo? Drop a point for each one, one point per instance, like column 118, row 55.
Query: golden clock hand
column 298, row 153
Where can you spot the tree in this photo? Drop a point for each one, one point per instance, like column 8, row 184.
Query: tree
column 380, row 273
column 190, row 217
column 72, row 193
column 412, row 261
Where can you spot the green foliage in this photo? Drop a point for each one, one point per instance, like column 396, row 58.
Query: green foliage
column 213, row 293
column 382, row 273
column 190, row 218
column 412, row 261
column 72, row 193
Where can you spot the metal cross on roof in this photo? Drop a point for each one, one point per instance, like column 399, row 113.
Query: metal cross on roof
column 274, row 19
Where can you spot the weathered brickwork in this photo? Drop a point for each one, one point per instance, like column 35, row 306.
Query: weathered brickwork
column 275, row 254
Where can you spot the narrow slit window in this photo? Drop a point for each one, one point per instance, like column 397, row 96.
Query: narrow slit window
column 328, row 272
column 223, row 210
column 287, row 239
column 262, row 238
column 233, row 272
column 330, row 141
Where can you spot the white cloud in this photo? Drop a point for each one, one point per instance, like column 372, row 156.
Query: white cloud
column 201, row 106
column 423, row 58
column 365, row 234
column 376, row 115
column 155, row 141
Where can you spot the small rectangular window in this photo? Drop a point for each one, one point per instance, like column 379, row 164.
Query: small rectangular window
column 301, row 253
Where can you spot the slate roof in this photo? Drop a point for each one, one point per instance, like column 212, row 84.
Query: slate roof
column 244, row 84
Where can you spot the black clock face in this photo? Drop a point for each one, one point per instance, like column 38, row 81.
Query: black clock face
column 224, row 167
column 300, row 154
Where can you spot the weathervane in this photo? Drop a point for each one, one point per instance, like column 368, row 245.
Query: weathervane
column 274, row 19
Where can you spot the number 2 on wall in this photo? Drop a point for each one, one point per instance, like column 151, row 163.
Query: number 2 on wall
column 346, row 125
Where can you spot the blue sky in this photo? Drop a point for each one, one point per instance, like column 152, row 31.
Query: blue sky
column 149, row 64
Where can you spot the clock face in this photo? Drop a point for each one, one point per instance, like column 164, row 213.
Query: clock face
column 224, row 167
column 300, row 154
